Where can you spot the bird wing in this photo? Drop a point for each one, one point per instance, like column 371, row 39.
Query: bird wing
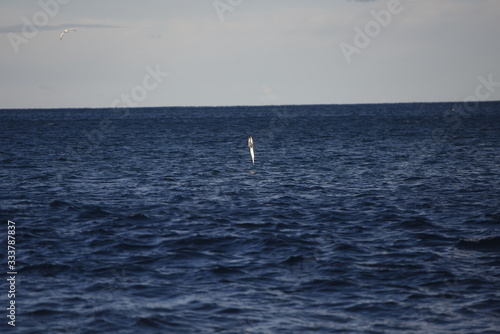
column 250, row 144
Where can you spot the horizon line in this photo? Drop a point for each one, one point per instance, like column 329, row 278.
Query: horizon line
column 243, row 105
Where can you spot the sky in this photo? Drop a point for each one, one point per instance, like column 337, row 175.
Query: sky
column 246, row 52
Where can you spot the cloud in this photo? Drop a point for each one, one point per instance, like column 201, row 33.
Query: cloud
column 18, row 28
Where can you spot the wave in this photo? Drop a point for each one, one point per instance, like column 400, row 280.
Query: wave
column 491, row 243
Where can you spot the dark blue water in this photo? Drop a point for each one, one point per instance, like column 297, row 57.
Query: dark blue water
column 354, row 219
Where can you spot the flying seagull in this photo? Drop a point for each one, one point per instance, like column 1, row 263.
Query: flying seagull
column 250, row 144
column 65, row 31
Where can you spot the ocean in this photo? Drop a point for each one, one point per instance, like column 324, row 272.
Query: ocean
column 372, row 218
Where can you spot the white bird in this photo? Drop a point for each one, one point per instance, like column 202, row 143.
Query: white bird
column 250, row 144
column 65, row 31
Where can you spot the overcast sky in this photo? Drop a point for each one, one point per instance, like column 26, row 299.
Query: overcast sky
column 246, row 52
